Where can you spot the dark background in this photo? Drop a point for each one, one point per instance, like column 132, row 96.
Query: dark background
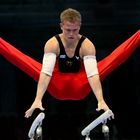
column 28, row 24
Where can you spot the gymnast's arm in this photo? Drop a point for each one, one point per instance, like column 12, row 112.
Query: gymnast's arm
column 88, row 53
column 49, row 59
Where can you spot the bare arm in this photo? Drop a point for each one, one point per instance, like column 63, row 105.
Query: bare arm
column 44, row 80
column 95, row 84
column 88, row 49
column 42, row 85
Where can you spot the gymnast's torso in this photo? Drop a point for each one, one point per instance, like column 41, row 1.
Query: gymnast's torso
column 68, row 64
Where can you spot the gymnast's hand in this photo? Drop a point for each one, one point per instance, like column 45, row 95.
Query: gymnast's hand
column 103, row 106
column 36, row 104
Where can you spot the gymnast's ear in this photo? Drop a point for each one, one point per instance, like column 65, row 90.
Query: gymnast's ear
column 61, row 25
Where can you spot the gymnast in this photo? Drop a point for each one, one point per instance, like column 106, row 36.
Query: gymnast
column 69, row 50
column 69, row 71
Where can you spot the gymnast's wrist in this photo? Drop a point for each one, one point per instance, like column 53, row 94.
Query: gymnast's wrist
column 37, row 99
column 101, row 101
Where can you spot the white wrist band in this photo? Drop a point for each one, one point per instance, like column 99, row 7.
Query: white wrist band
column 90, row 64
column 49, row 60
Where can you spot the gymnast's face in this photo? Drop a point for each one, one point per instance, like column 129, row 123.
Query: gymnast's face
column 70, row 30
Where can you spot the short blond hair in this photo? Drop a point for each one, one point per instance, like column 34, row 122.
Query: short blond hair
column 70, row 15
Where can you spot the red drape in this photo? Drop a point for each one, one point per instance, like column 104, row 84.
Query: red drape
column 70, row 86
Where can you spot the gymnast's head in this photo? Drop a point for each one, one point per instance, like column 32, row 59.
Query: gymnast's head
column 70, row 23
column 71, row 15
